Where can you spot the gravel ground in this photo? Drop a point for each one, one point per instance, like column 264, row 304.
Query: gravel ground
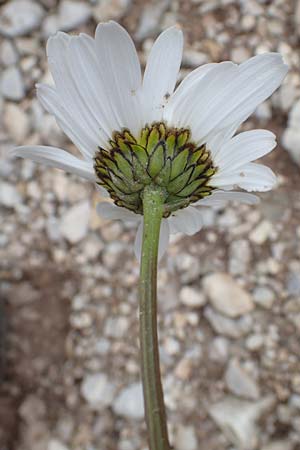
column 69, row 360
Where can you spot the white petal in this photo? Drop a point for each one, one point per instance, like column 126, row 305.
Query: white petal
column 161, row 72
column 228, row 94
column 110, row 211
column 120, row 73
column 163, row 239
column 67, row 120
column 192, row 107
column 69, row 88
column 244, row 148
column 55, row 157
column 188, row 221
column 221, row 198
column 251, row 177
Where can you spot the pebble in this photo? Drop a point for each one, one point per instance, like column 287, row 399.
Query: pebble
column 110, row 10
column 150, row 19
column 261, row 232
column 239, row 256
column 193, row 58
column 74, row 222
column 219, row 350
column 239, row 381
column 54, row 444
column 97, row 390
column 9, row 196
column 291, row 136
column 129, row 403
column 264, row 296
column 279, row 445
column 16, row 122
column 192, row 297
column 11, row 84
column 185, row 438
column 19, row 17
column 8, row 53
column 228, row 327
column 254, row 342
column 237, row 418
column 226, row 296
column 71, row 14
column 297, row 16
column 293, row 283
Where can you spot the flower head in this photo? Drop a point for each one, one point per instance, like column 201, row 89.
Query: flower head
column 133, row 131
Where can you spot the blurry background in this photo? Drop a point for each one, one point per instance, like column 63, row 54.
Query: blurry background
column 68, row 327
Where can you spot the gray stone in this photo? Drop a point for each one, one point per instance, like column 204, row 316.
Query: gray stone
column 11, row 84
column 293, row 283
column 185, row 438
column 9, row 196
column 226, row 295
column 54, row 444
column 71, row 14
column 291, row 136
column 19, row 17
column 97, row 390
column 193, row 58
column 74, row 222
column 219, row 349
column 264, row 296
column 261, row 232
column 239, row 381
column 239, row 256
column 16, row 122
column 110, row 9
column 279, row 445
column 129, row 403
column 8, row 53
column 150, row 19
column 228, row 327
column 192, row 297
column 238, row 418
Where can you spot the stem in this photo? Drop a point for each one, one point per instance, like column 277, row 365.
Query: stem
column 153, row 199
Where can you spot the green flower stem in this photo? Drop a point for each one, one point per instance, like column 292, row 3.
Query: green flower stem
column 153, row 199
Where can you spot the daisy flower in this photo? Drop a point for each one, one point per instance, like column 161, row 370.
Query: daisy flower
column 133, row 130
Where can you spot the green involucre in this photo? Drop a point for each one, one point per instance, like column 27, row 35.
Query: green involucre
column 161, row 156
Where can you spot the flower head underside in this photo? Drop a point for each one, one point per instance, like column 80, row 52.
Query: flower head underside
column 160, row 156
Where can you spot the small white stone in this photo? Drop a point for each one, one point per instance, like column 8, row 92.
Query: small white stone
column 192, row 297
column 54, row 444
column 239, row 381
column 74, row 222
column 291, row 136
column 228, row 327
column 11, row 84
column 8, row 53
column 254, row 342
column 9, row 196
column 71, row 14
column 185, row 438
column 130, row 403
column 18, row 17
column 193, row 58
column 279, row 445
column 110, row 10
column 16, row 122
column 226, row 295
column 97, row 390
column 261, row 232
column 218, row 349
column 264, row 296
column 237, row 419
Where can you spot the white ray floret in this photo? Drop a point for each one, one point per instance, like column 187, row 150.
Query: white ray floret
column 99, row 89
